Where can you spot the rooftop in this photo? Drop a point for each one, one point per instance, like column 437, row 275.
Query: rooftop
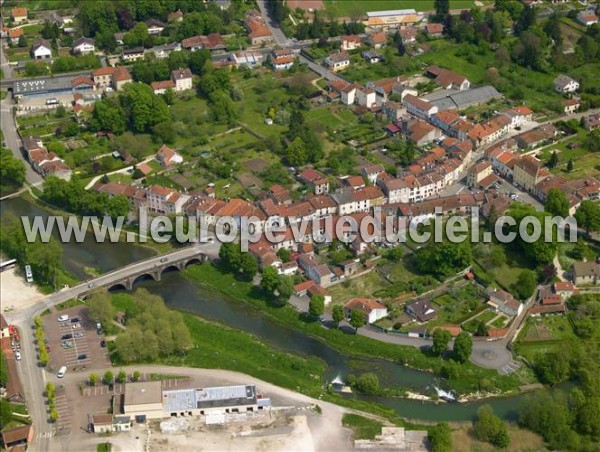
column 143, row 393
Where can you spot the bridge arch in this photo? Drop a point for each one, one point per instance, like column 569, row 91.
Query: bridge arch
column 118, row 286
column 170, row 268
column 193, row 261
column 144, row 277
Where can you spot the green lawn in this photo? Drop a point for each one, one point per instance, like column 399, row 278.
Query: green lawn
column 364, row 286
column 354, row 8
column 362, row 427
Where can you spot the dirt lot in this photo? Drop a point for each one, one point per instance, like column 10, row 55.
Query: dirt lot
column 82, row 350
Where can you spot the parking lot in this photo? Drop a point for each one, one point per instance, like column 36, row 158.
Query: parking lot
column 74, row 343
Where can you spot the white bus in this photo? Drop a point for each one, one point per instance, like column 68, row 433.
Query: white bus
column 28, row 273
column 52, row 101
column 7, row 265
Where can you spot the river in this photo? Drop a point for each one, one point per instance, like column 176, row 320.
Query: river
column 180, row 293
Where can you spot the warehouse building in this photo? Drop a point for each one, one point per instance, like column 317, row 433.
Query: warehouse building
column 149, row 400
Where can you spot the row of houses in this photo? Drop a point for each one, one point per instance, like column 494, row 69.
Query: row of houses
column 44, row 162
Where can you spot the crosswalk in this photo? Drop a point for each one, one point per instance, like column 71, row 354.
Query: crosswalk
column 48, row 434
column 511, row 367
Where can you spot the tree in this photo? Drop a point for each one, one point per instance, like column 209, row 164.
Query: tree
column 231, row 256
column 100, row 307
column 337, row 314
column 285, row 288
column 443, row 258
column 552, row 367
column 12, row 170
column 490, row 427
column 440, row 437
column 442, row 9
column 395, row 254
column 357, row 319
column 108, row 377
column 463, row 346
column 368, row 383
column 296, row 154
column 588, row 216
column 136, row 375
column 441, row 338
column 553, row 160
column 6, row 413
column 122, row 377
column 284, row 254
column 482, row 329
column 525, row 284
column 269, row 279
column 316, row 306
column 93, row 379
column 248, row 265
column 570, row 165
column 557, row 203
column 143, row 108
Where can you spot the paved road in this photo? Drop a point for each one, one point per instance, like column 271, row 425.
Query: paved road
column 13, row 141
column 277, row 33
column 33, row 377
column 6, row 69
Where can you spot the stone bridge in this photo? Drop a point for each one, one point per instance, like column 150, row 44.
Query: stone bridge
column 154, row 272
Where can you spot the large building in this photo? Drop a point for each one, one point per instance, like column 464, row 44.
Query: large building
column 393, row 18
column 148, row 400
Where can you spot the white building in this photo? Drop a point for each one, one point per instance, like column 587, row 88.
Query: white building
column 419, row 107
column 83, row 46
column 366, row 97
column 373, row 309
column 182, row 79
column 338, row 61
column 41, row 50
column 564, row 84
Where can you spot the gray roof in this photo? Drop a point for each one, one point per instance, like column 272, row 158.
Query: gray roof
column 451, row 99
column 143, row 393
column 83, row 40
column 41, row 85
column 221, row 396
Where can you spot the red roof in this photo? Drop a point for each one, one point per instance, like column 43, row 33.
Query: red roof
column 19, row 12
column 303, row 286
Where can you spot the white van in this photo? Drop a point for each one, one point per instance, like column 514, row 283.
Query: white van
column 63, row 318
column 61, row 372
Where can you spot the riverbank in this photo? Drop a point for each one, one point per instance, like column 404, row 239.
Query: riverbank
column 464, row 378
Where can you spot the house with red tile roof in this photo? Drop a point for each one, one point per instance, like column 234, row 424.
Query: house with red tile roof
column 167, row 156
column 372, row 309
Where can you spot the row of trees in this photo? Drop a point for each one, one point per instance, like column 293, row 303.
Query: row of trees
column 73, row 197
column 62, row 64
column 45, row 258
column 463, row 344
column 12, row 170
column 153, row 330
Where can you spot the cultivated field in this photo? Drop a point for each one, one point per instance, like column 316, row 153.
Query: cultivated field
column 351, row 8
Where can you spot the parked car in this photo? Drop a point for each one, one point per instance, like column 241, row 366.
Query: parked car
column 18, row 355
column 77, row 325
column 103, row 344
column 61, row 372
column 79, row 334
column 63, row 318
column 75, row 320
column 67, row 344
column 164, row 259
column 67, row 336
column 82, row 356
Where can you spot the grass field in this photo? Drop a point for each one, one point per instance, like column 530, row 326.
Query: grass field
column 352, row 8
column 362, row 427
